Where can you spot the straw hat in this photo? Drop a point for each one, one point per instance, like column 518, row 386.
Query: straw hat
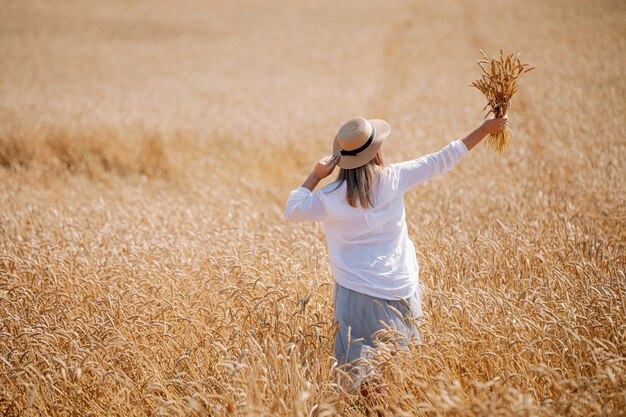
column 358, row 141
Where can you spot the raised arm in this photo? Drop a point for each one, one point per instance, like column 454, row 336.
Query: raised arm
column 303, row 204
column 488, row 127
column 411, row 173
column 322, row 169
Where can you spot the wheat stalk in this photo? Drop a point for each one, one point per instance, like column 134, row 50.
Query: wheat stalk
column 499, row 82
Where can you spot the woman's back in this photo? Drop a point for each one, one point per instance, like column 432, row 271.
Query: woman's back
column 369, row 248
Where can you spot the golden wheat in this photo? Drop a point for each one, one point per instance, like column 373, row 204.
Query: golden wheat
column 499, row 83
column 146, row 152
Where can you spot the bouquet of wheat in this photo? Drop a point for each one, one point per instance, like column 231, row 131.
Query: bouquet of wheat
column 500, row 80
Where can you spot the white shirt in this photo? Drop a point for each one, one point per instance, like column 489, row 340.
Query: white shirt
column 369, row 248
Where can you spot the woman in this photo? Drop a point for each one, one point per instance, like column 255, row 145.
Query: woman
column 372, row 258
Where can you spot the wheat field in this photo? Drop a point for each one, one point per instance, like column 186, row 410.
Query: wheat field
column 146, row 152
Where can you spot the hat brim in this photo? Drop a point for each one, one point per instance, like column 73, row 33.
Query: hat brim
column 354, row 161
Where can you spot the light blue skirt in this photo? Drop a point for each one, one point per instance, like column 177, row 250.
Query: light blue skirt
column 363, row 319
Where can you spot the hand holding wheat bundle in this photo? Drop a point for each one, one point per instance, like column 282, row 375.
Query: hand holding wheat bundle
column 499, row 82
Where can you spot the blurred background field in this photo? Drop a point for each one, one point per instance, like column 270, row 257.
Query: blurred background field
column 147, row 149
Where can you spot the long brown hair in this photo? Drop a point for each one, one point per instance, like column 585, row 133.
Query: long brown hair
column 360, row 181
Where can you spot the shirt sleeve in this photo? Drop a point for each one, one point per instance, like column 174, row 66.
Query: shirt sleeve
column 303, row 205
column 411, row 173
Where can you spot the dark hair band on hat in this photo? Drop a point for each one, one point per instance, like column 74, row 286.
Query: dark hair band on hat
column 354, row 152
